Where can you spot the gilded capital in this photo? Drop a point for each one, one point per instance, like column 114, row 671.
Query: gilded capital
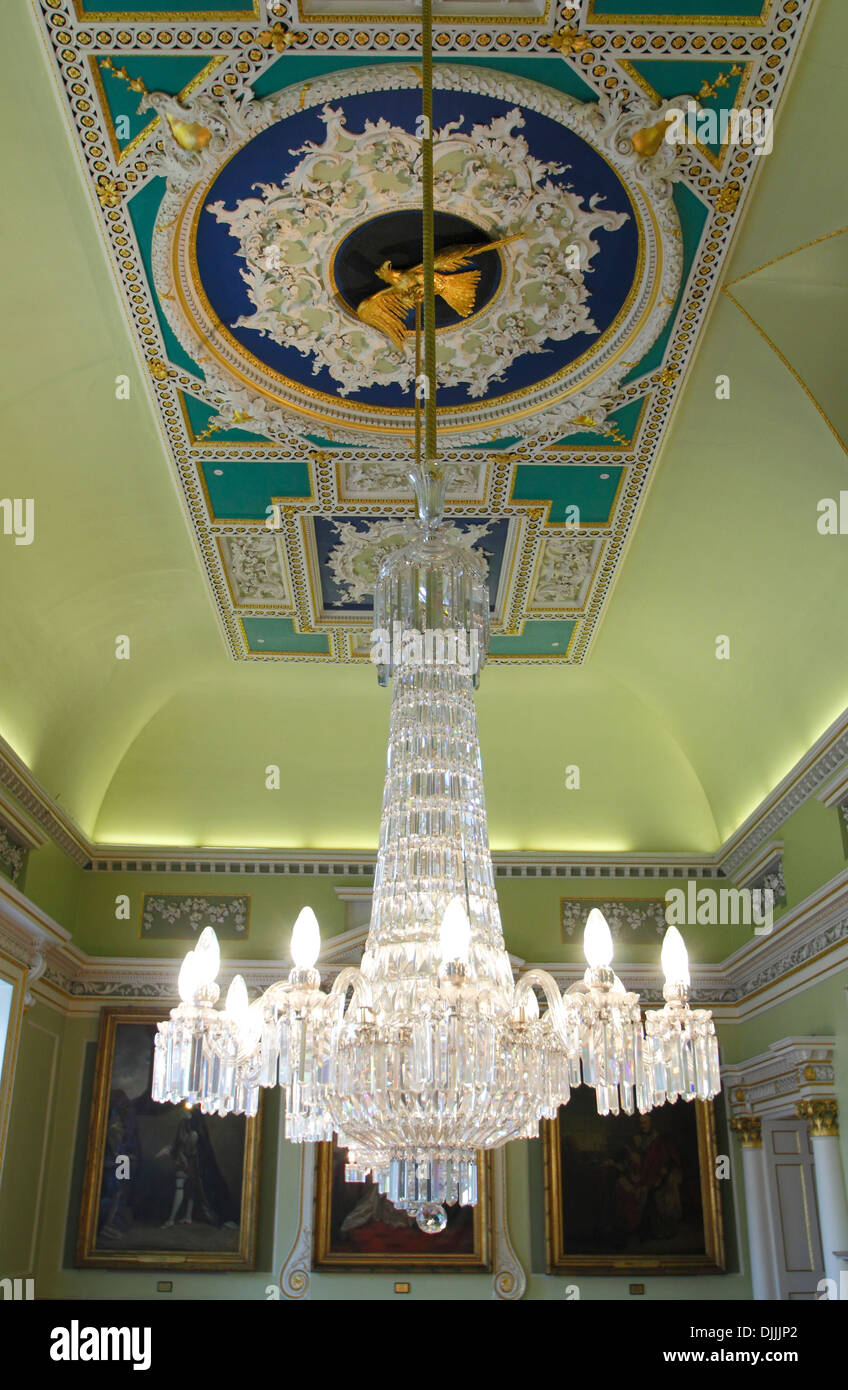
column 749, row 1130
column 821, row 1116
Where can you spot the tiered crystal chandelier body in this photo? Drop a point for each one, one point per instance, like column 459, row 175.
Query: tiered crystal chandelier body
column 429, row 1053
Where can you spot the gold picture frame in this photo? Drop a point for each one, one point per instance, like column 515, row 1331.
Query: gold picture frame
column 465, row 1244
column 644, row 1196
column 207, row 1171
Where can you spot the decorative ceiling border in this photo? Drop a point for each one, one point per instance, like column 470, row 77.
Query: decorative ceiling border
column 600, row 51
column 772, row 1083
column 41, row 807
column 809, row 945
column 818, row 764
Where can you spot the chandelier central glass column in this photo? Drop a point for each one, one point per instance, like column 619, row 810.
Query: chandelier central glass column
column 429, row 1053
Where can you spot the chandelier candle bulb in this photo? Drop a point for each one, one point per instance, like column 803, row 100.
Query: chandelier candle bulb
column 236, row 1004
column 597, row 940
column 187, row 979
column 207, row 957
column 675, row 958
column 306, row 940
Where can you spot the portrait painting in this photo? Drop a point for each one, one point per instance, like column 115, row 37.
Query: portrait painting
column 635, row 1193
column 356, row 1227
column 165, row 1186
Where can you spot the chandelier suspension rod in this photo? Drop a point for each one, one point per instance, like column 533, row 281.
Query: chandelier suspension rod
column 428, row 233
column 416, row 401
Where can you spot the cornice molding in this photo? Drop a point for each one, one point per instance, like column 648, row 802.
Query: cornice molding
column 822, row 772
column 41, row 807
column 809, row 944
column 22, row 826
column 772, row 1084
column 818, row 764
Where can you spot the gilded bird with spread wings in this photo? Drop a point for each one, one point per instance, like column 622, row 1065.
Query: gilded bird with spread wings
column 387, row 310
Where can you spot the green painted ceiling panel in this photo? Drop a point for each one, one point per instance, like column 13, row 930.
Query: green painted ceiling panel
column 593, row 490
column 143, row 209
column 185, row 9
column 693, row 214
column 537, row 638
column 170, row 72
column 240, row 490
column 670, row 80
column 278, row 635
column 626, row 422
column 801, row 305
column 200, row 415
column 677, row 9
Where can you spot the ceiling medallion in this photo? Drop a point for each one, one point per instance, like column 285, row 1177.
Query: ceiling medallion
column 272, row 235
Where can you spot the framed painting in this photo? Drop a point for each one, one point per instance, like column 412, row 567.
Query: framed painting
column 632, row 1194
column 164, row 1186
column 358, row 1228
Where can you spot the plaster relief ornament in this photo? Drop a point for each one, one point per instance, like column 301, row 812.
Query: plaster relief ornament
column 583, row 283
column 255, row 569
column 565, row 566
column 287, row 238
column 379, row 476
column 355, row 562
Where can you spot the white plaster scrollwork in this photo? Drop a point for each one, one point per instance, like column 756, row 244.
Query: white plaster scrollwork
column 255, row 567
column 35, row 970
column 509, row 1280
column 287, row 232
column 381, row 476
column 563, row 571
column 12, row 854
column 287, row 235
column 624, row 915
column 296, row 1272
column 356, row 559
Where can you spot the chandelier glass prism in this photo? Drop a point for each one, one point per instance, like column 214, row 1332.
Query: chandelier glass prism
column 429, row 1052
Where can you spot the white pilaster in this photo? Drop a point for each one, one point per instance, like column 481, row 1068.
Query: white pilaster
column 821, row 1116
column 748, row 1128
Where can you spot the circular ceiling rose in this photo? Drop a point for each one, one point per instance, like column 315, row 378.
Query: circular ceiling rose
column 301, row 207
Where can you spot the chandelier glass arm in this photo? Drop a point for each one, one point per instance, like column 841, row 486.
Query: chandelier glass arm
column 527, row 1005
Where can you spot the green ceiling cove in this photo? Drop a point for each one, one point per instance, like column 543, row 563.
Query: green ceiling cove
column 674, row 747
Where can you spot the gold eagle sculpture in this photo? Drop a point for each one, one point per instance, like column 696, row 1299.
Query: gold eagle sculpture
column 387, row 309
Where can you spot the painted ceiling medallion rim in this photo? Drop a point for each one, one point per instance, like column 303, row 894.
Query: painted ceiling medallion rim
column 282, row 408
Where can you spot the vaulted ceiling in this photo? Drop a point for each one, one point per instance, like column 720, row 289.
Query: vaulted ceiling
column 697, row 514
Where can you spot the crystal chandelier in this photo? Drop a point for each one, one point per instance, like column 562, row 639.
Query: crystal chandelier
column 429, row 1052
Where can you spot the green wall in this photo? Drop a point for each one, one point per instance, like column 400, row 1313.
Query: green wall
column 40, row 1193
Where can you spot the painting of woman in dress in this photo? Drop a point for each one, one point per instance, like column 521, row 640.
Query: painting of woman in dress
column 357, row 1227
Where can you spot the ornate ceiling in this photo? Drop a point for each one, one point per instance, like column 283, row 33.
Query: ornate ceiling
column 251, row 166
column 674, row 747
